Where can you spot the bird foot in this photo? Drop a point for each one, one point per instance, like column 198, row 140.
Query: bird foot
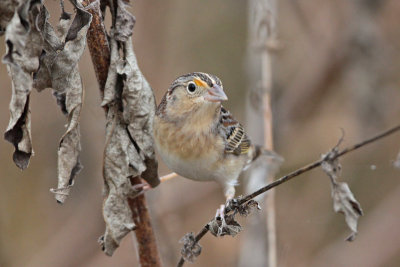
column 220, row 214
column 140, row 189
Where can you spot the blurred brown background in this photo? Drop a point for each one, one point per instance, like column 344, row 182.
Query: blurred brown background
column 338, row 68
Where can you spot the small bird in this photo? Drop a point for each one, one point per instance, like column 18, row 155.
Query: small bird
column 198, row 138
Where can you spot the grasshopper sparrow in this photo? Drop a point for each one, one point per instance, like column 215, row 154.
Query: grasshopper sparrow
column 198, row 138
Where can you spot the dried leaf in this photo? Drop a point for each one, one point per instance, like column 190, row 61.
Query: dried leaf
column 190, row 249
column 138, row 103
column 24, row 46
column 7, row 8
column 228, row 225
column 128, row 152
column 243, row 209
column 224, row 226
column 345, row 202
column 59, row 70
column 343, row 199
column 119, row 155
column 330, row 164
column 124, row 23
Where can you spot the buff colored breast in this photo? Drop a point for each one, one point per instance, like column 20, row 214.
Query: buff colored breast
column 188, row 150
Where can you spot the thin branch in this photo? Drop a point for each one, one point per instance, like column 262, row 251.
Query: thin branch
column 100, row 53
column 296, row 173
column 317, row 163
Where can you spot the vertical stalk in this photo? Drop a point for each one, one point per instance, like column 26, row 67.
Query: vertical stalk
column 145, row 237
column 266, row 87
column 266, row 82
column 100, row 53
column 262, row 33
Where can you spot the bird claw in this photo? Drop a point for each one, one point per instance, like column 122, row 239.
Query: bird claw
column 140, row 189
column 220, row 214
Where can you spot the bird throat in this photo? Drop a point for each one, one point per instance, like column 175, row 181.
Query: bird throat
column 202, row 119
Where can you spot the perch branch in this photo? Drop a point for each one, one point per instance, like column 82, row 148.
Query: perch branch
column 317, row 164
column 296, row 173
column 100, row 53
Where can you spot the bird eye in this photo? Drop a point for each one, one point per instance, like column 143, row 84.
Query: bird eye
column 191, row 87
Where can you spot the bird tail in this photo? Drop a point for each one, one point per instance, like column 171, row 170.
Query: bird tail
column 272, row 155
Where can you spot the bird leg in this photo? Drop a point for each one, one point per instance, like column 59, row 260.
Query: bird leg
column 229, row 194
column 220, row 214
column 147, row 187
column 168, row 176
column 144, row 186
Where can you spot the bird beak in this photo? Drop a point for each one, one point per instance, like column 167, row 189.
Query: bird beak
column 216, row 94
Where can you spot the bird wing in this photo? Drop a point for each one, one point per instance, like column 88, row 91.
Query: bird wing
column 236, row 140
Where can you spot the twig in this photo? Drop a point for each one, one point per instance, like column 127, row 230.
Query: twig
column 316, row 164
column 296, row 173
column 100, row 53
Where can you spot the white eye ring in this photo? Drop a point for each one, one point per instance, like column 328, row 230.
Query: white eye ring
column 191, row 87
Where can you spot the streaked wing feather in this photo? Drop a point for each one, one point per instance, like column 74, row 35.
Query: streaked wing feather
column 236, row 140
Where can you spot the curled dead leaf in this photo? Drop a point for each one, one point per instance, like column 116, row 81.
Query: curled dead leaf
column 59, row 70
column 124, row 22
column 228, row 225
column 345, row 202
column 224, row 226
column 7, row 8
column 343, row 199
column 129, row 145
column 24, row 46
column 190, row 249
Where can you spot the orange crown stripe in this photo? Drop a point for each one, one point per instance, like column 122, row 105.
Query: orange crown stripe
column 199, row 82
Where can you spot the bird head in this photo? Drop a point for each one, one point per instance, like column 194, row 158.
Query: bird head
column 194, row 92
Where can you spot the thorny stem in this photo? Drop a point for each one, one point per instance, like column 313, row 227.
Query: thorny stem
column 100, row 53
column 296, row 173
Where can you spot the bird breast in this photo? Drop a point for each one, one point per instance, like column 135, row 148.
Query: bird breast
column 190, row 152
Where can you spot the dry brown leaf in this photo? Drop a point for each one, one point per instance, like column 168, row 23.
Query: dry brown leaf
column 243, row 209
column 224, row 226
column 138, row 103
column 7, row 8
column 124, row 22
column 129, row 145
column 190, row 249
column 345, row 202
column 24, row 46
column 59, row 70
column 119, row 154
column 343, row 199
column 228, row 225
